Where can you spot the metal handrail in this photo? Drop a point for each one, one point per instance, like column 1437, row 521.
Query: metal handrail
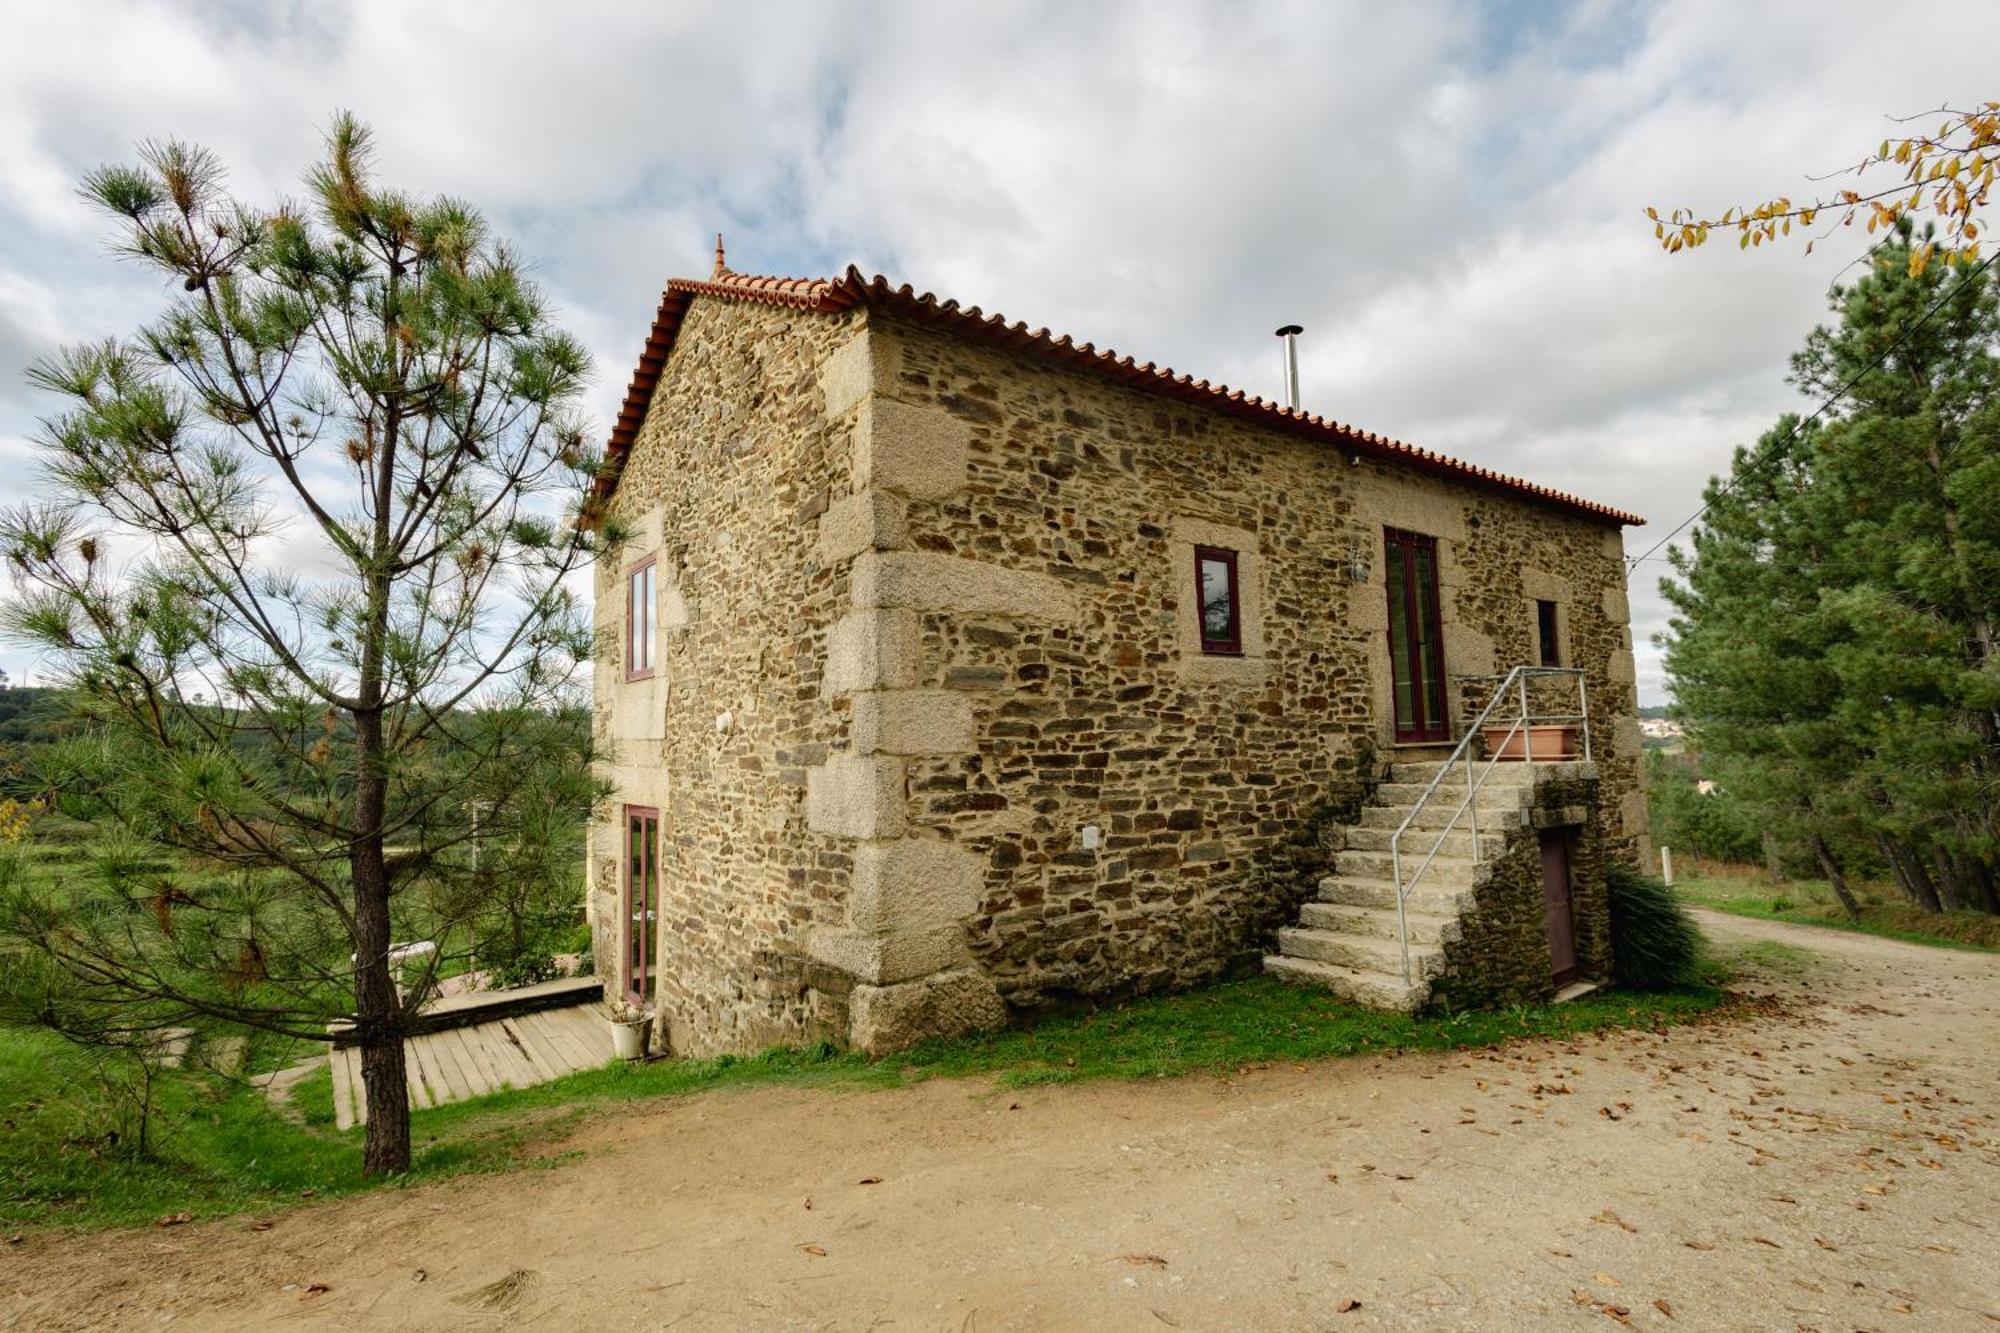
column 1515, row 684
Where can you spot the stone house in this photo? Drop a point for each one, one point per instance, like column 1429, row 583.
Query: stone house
column 951, row 670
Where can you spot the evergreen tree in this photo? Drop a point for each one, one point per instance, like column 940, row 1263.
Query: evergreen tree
column 1833, row 647
column 305, row 572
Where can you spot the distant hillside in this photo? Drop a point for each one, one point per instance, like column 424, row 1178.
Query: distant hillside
column 29, row 715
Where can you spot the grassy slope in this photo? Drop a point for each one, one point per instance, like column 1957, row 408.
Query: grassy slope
column 1811, row 903
column 223, row 1150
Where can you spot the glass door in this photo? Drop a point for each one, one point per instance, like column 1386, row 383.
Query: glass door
column 642, row 901
column 1416, row 638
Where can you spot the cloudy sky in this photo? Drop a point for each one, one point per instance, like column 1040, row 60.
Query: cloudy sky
column 1448, row 196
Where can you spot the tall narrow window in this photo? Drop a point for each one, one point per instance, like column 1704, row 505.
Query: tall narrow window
column 1416, row 638
column 1216, row 594
column 639, row 620
column 1545, row 629
column 642, row 900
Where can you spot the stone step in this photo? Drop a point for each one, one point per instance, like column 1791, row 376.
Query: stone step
column 1511, row 774
column 1361, row 952
column 1429, row 898
column 1449, row 871
column 1492, row 795
column 1438, row 813
column 1419, row 841
column 1378, row 922
column 1376, row 990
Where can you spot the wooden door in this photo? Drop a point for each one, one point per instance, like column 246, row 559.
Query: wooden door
column 642, row 901
column 1561, row 924
column 1416, row 638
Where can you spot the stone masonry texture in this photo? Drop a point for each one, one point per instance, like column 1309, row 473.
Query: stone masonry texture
column 927, row 605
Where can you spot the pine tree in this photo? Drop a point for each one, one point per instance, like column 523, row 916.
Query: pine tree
column 1833, row 647
column 304, row 568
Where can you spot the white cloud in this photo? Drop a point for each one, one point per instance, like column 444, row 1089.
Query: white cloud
column 1446, row 195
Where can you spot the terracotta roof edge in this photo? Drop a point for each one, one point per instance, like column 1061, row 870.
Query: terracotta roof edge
column 853, row 287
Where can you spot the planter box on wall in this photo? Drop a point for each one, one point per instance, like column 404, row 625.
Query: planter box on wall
column 1544, row 743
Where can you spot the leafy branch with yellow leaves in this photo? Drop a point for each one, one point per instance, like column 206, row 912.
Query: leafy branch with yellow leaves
column 1949, row 174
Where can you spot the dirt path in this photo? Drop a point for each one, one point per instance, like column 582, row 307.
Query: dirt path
column 1834, row 1168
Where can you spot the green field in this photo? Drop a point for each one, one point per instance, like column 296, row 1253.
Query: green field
column 1811, row 902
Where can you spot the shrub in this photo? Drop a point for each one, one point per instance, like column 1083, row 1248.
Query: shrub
column 526, row 969
column 1655, row 944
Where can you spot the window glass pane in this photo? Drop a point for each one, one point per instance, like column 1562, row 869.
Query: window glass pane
column 651, row 946
column 1218, row 607
column 640, row 591
column 1545, row 617
column 1401, row 660
column 635, row 870
column 1427, row 635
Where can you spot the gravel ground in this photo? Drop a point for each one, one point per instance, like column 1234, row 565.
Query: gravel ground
column 1831, row 1161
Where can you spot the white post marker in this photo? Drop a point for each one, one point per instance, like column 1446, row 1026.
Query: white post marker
column 1667, row 865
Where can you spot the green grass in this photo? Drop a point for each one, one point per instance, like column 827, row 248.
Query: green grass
column 1811, row 903
column 69, row 1150
column 221, row 1149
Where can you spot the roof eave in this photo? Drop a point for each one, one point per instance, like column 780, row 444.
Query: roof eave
column 830, row 296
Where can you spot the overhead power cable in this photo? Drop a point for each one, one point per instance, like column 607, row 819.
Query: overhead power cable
column 1775, row 450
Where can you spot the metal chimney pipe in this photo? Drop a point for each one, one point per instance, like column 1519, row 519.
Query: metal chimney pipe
column 1290, row 333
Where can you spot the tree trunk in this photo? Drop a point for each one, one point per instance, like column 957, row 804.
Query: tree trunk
column 1951, row 888
column 1774, row 864
column 377, row 1008
column 1909, row 874
column 1830, row 865
column 1981, row 876
column 1922, row 886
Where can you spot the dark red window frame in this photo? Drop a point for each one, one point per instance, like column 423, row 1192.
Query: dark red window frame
column 1547, row 625
column 1230, row 645
column 1417, row 595
column 642, row 900
column 637, row 638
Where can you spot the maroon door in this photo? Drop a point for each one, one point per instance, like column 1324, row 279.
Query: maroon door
column 642, row 901
column 1416, row 637
column 1556, row 907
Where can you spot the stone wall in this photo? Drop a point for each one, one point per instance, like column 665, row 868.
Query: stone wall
column 724, row 486
column 935, row 719
column 1090, row 706
column 1501, row 953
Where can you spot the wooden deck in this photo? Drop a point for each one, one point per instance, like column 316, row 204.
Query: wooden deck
column 457, row 1063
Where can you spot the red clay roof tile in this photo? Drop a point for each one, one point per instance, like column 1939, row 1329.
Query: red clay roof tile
column 832, row 295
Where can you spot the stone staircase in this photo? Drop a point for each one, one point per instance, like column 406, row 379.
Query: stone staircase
column 1345, row 940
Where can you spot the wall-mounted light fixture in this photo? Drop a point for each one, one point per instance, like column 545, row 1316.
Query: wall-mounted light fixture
column 1357, row 559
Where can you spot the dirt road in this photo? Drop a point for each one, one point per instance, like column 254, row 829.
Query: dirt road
column 1837, row 1167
